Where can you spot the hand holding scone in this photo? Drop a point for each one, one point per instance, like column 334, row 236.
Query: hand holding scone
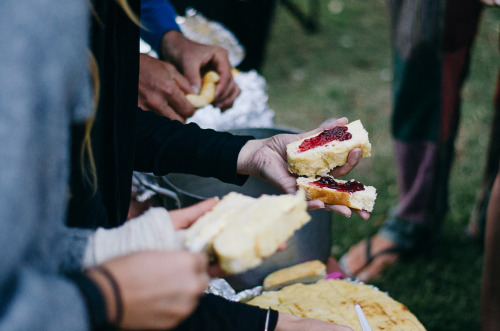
column 162, row 89
column 315, row 156
column 207, row 91
column 267, row 159
column 192, row 59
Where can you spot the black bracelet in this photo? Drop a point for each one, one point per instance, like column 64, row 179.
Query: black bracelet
column 116, row 292
column 94, row 300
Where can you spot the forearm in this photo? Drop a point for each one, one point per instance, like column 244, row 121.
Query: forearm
column 157, row 17
column 153, row 230
column 217, row 313
column 164, row 146
column 38, row 301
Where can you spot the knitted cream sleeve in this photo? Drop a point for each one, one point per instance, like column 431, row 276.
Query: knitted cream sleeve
column 153, row 230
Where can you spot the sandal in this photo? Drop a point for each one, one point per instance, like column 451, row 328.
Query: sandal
column 369, row 257
column 408, row 238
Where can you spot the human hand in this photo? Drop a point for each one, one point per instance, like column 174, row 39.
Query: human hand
column 162, row 89
column 290, row 323
column 193, row 60
column 495, row 3
column 266, row 159
column 158, row 289
column 183, row 218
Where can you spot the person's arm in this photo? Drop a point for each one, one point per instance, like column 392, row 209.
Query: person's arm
column 38, row 102
column 163, row 90
column 217, row 313
column 157, row 17
column 190, row 58
column 164, row 146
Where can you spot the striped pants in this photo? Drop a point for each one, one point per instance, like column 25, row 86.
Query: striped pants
column 431, row 41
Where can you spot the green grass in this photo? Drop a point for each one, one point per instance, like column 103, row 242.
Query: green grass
column 344, row 70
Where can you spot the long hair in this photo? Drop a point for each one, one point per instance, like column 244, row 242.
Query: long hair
column 90, row 174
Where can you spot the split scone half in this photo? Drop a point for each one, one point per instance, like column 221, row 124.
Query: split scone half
column 241, row 231
column 313, row 157
column 351, row 193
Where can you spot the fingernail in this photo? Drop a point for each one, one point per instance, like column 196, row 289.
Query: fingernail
column 357, row 154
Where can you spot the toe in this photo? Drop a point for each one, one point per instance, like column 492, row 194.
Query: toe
column 354, row 260
column 379, row 264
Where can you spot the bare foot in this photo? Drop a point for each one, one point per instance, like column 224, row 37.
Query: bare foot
column 332, row 265
column 355, row 263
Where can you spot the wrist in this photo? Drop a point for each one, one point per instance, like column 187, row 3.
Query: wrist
column 94, row 299
column 171, row 45
column 244, row 164
column 113, row 306
column 285, row 322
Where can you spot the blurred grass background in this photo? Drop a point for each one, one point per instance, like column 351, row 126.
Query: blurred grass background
column 345, row 70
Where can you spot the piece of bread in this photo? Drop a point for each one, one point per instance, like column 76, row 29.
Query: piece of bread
column 334, row 300
column 319, row 160
column 200, row 236
column 241, row 231
column 337, row 192
column 307, row 272
column 207, row 90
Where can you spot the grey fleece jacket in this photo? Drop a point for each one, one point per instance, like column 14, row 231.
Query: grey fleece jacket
column 44, row 87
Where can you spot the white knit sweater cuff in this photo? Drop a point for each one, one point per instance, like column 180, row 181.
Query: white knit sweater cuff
column 153, row 230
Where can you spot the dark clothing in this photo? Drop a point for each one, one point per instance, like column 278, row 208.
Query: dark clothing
column 125, row 138
column 45, row 87
column 157, row 17
column 217, row 314
column 249, row 20
column 116, row 49
column 431, row 47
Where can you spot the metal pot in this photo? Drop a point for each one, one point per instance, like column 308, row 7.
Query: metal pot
column 311, row 242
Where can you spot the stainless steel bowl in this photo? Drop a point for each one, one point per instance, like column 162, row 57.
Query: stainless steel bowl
column 309, row 243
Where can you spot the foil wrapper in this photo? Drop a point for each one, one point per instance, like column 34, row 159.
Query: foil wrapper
column 250, row 109
column 221, row 287
column 197, row 27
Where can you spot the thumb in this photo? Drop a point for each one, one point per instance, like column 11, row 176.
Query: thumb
column 193, row 76
column 185, row 217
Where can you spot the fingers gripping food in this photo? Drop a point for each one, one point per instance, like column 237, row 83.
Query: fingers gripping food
column 240, row 231
column 207, row 90
column 315, row 156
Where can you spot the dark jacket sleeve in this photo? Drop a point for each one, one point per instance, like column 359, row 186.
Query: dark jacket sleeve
column 165, row 146
column 215, row 313
column 157, row 18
